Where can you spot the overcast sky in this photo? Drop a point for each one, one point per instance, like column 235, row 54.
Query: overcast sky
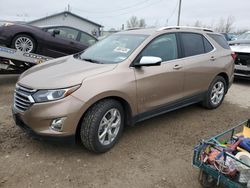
column 112, row 14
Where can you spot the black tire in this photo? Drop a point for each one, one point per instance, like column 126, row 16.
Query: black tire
column 15, row 39
column 207, row 102
column 91, row 122
column 207, row 181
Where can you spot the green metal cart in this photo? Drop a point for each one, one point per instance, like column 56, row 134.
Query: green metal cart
column 209, row 176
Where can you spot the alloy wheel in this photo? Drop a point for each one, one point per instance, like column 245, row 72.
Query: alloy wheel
column 109, row 126
column 217, row 93
column 24, row 44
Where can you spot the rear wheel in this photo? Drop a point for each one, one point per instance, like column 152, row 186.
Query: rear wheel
column 24, row 43
column 102, row 125
column 215, row 93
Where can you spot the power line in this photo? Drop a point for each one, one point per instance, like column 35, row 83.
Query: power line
column 138, row 9
column 115, row 10
column 171, row 15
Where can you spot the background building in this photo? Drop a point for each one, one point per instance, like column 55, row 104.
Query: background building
column 67, row 18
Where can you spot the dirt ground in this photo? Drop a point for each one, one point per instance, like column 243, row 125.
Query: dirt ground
column 155, row 153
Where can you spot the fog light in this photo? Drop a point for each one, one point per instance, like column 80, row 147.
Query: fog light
column 57, row 124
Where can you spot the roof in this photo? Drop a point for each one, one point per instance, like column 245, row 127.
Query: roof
column 139, row 31
column 66, row 12
column 8, row 21
column 150, row 31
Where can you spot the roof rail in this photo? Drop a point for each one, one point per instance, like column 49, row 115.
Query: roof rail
column 134, row 28
column 185, row 27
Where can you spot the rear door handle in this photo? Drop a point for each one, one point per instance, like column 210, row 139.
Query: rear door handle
column 177, row 67
column 212, row 58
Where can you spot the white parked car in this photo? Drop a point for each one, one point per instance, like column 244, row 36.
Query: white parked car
column 241, row 47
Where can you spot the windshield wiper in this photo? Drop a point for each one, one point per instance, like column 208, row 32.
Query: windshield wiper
column 91, row 60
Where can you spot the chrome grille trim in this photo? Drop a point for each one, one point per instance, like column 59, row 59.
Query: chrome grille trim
column 22, row 94
column 23, row 104
column 27, row 90
column 23, row 98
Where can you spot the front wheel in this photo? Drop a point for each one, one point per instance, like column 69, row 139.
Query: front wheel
column 102, row 125
column 215, row 93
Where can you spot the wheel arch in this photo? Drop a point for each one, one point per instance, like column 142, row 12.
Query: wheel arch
column 125, row 104
column 225, row 76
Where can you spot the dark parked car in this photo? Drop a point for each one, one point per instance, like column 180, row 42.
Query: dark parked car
column 53, row 41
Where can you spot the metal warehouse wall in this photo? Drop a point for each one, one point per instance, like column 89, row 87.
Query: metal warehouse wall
column 68, row 20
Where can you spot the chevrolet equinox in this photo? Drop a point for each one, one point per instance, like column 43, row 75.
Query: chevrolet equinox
column 126, row 78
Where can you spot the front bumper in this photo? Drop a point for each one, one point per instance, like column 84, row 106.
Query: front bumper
column 242, row 71
column 36, row 121
column 37, row 136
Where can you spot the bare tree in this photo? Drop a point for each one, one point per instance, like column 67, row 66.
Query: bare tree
column 135, row 22
column 197, row 23
column 142, row 23
column 229, row 24
column 225, row 25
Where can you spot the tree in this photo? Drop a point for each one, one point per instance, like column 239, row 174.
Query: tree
column 135, row 22
column 225, row 25
column 197, row 23
column 142, row 23
column 229, row 24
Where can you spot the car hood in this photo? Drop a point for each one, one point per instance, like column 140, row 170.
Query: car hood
column 61, row 73
column 240, row 41
column 241, row 48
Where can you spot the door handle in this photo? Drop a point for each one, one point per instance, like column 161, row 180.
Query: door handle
column 212, row 58
column 177, row 67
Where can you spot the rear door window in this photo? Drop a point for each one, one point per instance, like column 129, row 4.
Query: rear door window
column 220, row 40
column 86, row 39
column 195, row 44
column 192, row 44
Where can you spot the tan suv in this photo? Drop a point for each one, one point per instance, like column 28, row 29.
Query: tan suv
column 123, row 79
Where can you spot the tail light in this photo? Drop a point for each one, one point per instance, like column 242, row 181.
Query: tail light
column 234, row 55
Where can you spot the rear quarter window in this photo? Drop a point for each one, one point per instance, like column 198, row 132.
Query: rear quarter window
column 207, row 45
column 220, row 40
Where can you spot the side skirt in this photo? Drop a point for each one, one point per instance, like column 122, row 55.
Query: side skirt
column 169, row 107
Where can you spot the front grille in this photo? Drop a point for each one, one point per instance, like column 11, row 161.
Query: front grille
column 22, row 98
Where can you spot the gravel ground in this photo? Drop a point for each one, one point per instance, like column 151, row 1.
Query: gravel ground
column 155, row 153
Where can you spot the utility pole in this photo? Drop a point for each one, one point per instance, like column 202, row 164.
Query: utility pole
column 179, row 13
column 68, row 8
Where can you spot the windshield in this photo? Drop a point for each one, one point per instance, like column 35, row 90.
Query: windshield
column 114, row 49
column 245, row 36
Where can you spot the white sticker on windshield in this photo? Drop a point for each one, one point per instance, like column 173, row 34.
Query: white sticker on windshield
column 121, row 50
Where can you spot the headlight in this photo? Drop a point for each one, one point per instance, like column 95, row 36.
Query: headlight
column 52, row 95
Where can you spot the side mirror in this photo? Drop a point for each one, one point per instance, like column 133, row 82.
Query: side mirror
column 55, row 32
column 149, row 61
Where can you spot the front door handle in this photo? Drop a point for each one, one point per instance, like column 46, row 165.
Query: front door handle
column 177, row 67
column 212, row 58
